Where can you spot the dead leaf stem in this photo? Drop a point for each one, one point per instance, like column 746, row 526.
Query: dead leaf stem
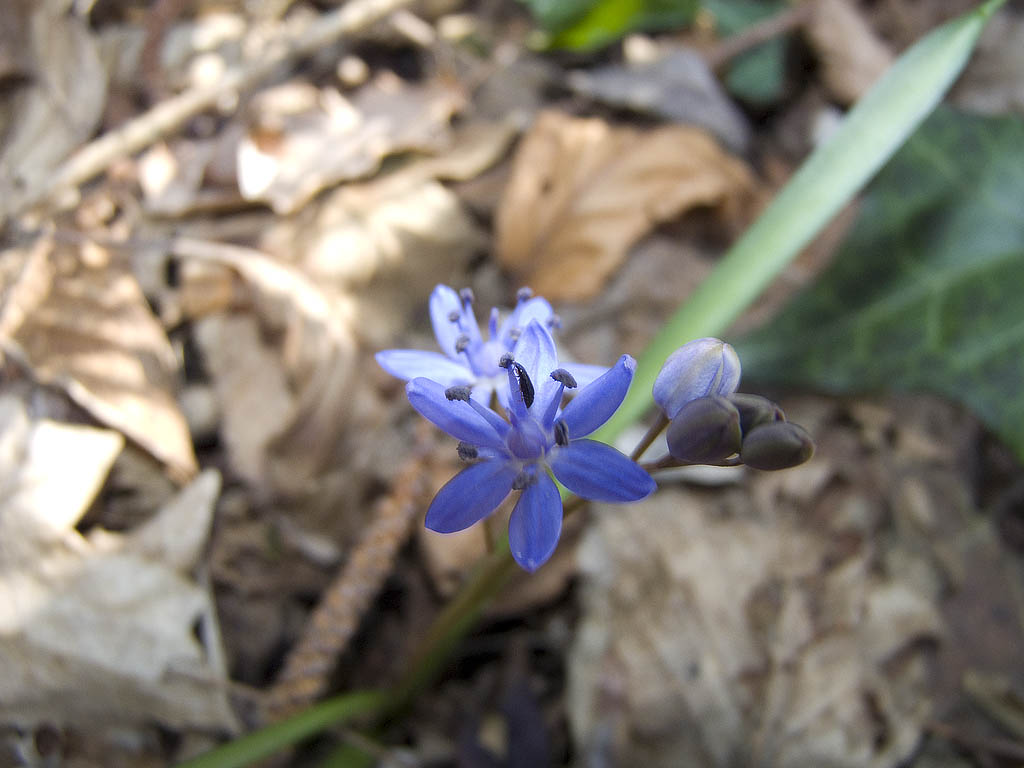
column 169, row 115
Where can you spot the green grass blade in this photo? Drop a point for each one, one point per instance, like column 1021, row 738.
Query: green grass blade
column 871, row 133
column 266, row 741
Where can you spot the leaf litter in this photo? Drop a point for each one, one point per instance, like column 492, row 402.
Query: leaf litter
column 269, row 238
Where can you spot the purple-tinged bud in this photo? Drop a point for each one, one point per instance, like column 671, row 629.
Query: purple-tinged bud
column 755, row 410
column 779, row 445
column 705, row 431
column 701, row 368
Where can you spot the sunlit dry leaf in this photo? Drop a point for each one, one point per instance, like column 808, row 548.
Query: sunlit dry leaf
column 582, row 192
column 59, row 104
column 852, row 54
column 306, row 139
column 79, row 321
column 99, row 629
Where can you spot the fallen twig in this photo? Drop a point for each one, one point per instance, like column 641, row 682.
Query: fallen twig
column 726, row 50
column 169, row 115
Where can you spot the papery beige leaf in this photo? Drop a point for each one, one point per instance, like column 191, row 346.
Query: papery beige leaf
column 79, row 321
column 852, row 55
column 717, row 635
column 582, row 192
column 61, row 100
column 99, row 630
column 308, row 139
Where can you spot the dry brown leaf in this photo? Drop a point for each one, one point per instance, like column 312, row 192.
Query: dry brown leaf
column 582, row 192
column 854, row 57
column 62, row 99
column 308, row 139
column 79, row 321
column 99, row 629
column 717, row 635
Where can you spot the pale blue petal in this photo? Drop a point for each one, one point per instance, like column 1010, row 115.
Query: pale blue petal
column 409, row 364
column 597, row 471
column 535, row 351
column 444, row 301
column 477, row 426
column 697, row 369
column 470, row 496
column 548, row 401
column 596, row 402
column 532, row 309
column 584, row 374
column 536, row 523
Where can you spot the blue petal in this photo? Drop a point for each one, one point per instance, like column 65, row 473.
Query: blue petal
column 536, row 523
column 597, row 471
column 697, row 369
column 444, row 301
column 596, row 402
column 532, row 309
column 535, row 351
column 583, row 373
column 470, row 496
column 477, row 426
column 409, row 364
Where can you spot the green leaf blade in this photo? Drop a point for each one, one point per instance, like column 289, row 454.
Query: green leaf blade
column 926, row 292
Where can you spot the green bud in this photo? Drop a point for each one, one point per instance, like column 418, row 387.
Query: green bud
column 779, row 445
column 705, row 431
column 755, row 410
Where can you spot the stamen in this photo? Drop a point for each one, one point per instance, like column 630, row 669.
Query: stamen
column 466, row 294
column 505, row 360
column 561, row 433
column 454, row 316
column 467, row 452
column 523, row 479
column 563, row 377
column 525, row 385
column 554, row 322
column 524, row 294
column 458, row 393
column 461, row 343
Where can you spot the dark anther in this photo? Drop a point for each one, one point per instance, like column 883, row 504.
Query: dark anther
column 554, row 322
column 466, row 294
column 524, row 294
column 467, row 452
column 522, row 480
column 457, row 393
column 562, row 376
column 561, row 433
column 461, row 343
column 505, row 361
column 514, row 334
column 525, row 385
column 454, row 316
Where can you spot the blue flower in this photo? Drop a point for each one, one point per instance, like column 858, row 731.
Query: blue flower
column 538, row 440
column 468, row 359
column 699, row 368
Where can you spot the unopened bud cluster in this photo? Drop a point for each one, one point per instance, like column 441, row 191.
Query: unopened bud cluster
column 711, row 423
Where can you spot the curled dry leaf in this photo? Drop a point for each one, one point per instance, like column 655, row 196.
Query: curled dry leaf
column 79, row 321
column 854, row 57
column 61, row 97
column 582, row 192
column 308, row 139
column 98, row 630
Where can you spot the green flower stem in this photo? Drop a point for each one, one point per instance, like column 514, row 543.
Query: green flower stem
column 266, row 741
column 872, row 131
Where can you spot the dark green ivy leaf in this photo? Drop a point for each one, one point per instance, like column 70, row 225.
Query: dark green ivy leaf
column 758, row 76
column 927, row 292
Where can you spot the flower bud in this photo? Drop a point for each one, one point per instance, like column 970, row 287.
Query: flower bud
column 779, row 445
column 755, row 410
column 700, row 368
column 705, row 431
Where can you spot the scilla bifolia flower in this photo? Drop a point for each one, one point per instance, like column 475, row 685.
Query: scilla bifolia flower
column 468, row 359
column 699, row 368
column 539, row 439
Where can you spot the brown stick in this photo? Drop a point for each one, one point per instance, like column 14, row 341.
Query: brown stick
column 169, row 115
column 763, row 31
